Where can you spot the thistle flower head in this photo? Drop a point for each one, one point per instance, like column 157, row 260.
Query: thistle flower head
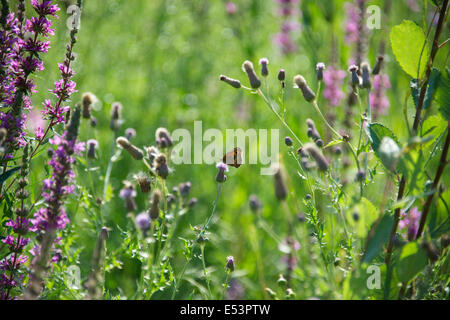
column 230, row 264
column 320, row 67
column 264, row 69
column 87, row 100
column 281, row 75
column 144, row 182
column 92, row 146
column 185, row 188
column 222, row 168
column 163, row 138
column 130, row 133
column 410, row 221
column 116, row 116
column 143, row 221
column 161, row 167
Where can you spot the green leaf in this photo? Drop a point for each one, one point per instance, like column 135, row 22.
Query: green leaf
column 412, row 260
column 367, row 214
column 380, row 236
column 4, row 176
column 384, row 144
column 433, row 84
column 443, row 95
column 407, row 41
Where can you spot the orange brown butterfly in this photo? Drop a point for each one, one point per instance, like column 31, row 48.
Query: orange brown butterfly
column 233, row 158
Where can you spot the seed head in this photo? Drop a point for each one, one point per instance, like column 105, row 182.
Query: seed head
column 134, row 151
column 144, row 182
column 232, row 82
column 247, row 67
column 308, row 94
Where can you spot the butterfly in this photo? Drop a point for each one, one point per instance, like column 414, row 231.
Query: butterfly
column 233, row 158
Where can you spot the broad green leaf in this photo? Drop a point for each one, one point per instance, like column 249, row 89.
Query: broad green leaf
column 433, row 84
column 443, row 95
column 380, row 236
column 387, row 151
column 410, row 47
column 412, row 260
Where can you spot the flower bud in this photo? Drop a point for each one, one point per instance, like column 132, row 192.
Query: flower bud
column 116, row 116
column 87, row 100
column 264, row 69
column 192, row 202
column 230, row 264
column 308, row 94
column 222, row 168
column 377, row 68
column 152, row 153
column 130, row 133
column 161, row 167
column 247, row 67
column 163, row 138
column 92, row 149
column 185, row 188
column 288, row 141
column 366, row 82
column 280, row 184
column 281, row 75
column 154, row 208
column 144, row 182
column 134, row 151
column 255, row 203
column 318, row 157
column 356, row 80
column 232, row 82
column 319, row 68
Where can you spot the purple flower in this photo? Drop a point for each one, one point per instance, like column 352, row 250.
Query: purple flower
column 378, row 99
column 143, row 221
column 333, row 79
column 410, row 221
column 231, row 8
column 352, row 25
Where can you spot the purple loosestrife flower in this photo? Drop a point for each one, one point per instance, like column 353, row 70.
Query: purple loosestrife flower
column 378, row 99
column 289, row 12
column 410, row 222
column 334, row 79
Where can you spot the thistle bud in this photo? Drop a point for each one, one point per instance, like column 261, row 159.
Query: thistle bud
column 144, row 182
column 281, row 75
column 319, row 68
column 92, row 149
column 288, row 141
column 319, row 143
column 192, row 202
column 152, row 153
column 163, row 138
column 247, row 67
column 264, row 69
column 130, row 133
column 232, row 82
column 310, row 123
column 93, row 122
column 356, row 80
column 87, row 100
column 184, row 189
column 366, row 82
column 116, row 116
column 161, row 167
column 222, row 168
column 128, row 194
column 255, row 203
column 280, row 184
column 230, row 264
column 360, row 175
column 308, row 94
column 318, row 157
column 154, row 208
column 378, row 65
column 134, row 151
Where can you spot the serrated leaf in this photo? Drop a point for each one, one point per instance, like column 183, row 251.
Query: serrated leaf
column 377, row 132
column 4, row 176
column 412, row 260
column 443, row 95
column 410, row 48
column 333, row 143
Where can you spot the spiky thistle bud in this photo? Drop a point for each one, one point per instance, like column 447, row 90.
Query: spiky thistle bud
column 279, row 183
column 308, row 94
column 288, row 141
column 319, row 158
column 154, row 208
column 247, row 67
column 320, row 67
column 222, row 168
column 264, row 69
column 232, row 82
column 134, row 151
column 144, row 182
column 281, row 75
column 161, row 166
column 92, row 149
column 163, row 138
column 230, row 264
column 116, row 116
column 378, row 65
column 255, row 203
column 87, row 100
column 356, row 80
column 130, row 133
column 366, row 82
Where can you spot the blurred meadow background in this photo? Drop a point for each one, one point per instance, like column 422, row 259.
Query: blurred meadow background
column 162, row 60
